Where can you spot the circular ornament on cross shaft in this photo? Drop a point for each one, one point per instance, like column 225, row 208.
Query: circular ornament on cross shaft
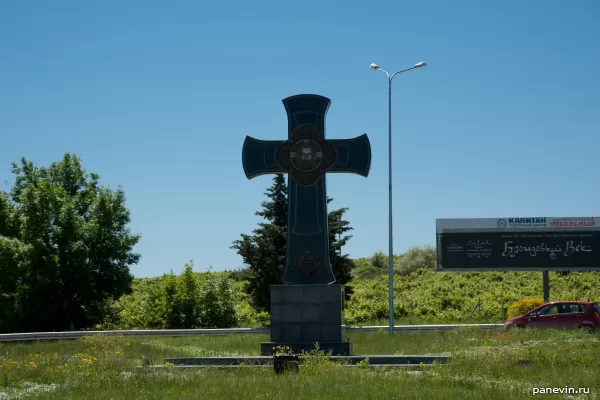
column 306, row 155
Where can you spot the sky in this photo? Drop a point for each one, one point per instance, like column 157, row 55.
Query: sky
column 157, row 98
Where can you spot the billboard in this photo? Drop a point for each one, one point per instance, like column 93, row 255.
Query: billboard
column 519, row 244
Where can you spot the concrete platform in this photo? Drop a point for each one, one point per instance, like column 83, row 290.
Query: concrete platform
column 374, row 360
column 414, row 367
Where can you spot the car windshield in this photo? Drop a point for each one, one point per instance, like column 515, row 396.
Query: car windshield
column 597, row 307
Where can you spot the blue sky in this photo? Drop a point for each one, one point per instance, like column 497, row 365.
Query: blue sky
column 157, row 96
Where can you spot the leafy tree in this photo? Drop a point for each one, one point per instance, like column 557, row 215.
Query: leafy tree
column 264, row 251
column 13, row 263
column 65, row 248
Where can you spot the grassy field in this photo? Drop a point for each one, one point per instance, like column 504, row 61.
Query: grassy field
column 485, row 365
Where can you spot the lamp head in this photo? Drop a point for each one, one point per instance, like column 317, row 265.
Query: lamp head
column 374, row 67
column 421, row 64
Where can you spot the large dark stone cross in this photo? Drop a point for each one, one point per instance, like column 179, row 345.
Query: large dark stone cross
column 306, row 156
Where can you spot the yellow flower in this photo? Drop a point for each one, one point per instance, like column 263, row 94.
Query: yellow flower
column 8, row 362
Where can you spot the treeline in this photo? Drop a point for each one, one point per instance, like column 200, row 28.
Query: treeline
column 66, row 251
column 421, row 296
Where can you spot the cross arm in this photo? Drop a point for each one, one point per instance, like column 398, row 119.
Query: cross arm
column 258, row 157
column 354, row 155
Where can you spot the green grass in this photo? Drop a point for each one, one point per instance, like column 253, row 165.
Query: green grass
column 484, row 365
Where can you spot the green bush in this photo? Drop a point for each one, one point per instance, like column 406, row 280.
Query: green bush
column 418, row 258
column 144, row 308
column 216, row 305
column 190, row 300
column 379, row 260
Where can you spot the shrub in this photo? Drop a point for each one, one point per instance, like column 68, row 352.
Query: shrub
column 417, row 258
column 523, row 306
column 187, row 295
column 379, row 260
column 187, row 301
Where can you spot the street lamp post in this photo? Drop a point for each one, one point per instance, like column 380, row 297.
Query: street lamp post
column 375, row 67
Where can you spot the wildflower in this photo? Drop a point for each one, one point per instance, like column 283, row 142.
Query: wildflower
column 282, row 350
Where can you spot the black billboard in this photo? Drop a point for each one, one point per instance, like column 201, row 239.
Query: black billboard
column 517, row 249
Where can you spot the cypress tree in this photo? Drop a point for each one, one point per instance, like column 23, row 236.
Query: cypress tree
column 264, row 251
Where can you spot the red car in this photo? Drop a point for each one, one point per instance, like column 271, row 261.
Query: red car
column 560, row 315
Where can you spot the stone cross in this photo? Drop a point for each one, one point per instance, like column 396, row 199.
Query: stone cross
column 306, row 157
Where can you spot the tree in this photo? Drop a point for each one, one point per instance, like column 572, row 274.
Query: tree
column 13, row 263
column 341, row 264
column 264, row 251
column 67, row 248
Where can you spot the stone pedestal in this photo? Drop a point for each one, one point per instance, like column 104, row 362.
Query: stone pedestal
column 304, row 314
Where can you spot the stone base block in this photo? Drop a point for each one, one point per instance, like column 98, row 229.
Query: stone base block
column 306, row 313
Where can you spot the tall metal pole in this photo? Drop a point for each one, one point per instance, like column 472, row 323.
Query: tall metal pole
column 391, row 244
column 375, row 67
